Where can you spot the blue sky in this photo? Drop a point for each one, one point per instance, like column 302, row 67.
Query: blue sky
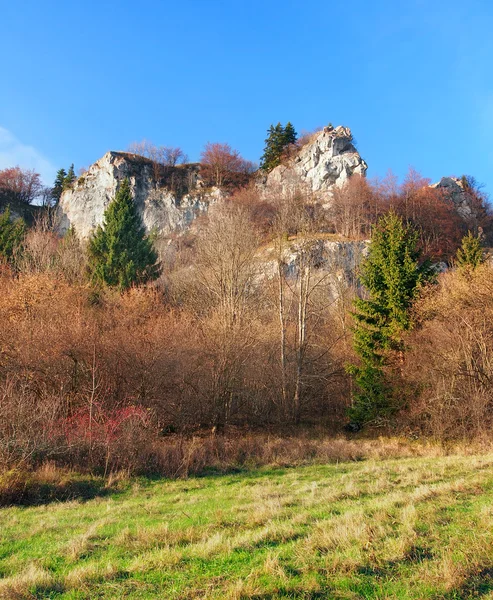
column 413, row 79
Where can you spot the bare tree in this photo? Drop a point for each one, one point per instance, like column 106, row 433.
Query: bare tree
column 174, row 156
column 168, row 156
column 352, row 208
column 225, row 274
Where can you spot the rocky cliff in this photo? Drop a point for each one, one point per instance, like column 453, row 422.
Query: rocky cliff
column 335, row 260
column 168, row 198
column 327, row 160
column 453, row 187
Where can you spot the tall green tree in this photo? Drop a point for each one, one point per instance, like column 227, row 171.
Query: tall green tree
column 290, row 135
column 470, row 255
column 392, row 275
column 278, row 139
column 58, row 185
column 12, row 233
column 120, row 253
column 69, row 178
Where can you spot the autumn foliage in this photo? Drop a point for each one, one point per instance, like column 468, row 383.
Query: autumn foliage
column 222, row 166
column 242, row 329
column 19, row 186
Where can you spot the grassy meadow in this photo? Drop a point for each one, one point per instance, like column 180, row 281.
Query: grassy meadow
column 388, row 528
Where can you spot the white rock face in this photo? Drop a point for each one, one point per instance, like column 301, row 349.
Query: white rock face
column 328, row 160
column 334, row 261
column 454, row 189
column 168, row 202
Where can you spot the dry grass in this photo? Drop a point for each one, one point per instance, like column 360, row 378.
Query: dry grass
column 50, row 483
column 179, row 456
column 26, row 584
column 419, row 527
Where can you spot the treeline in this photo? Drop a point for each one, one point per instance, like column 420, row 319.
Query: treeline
column 92, row 375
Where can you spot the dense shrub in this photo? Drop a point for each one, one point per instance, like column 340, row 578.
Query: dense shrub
column 453, row 396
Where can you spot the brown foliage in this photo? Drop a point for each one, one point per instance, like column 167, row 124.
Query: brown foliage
column 455, row 342
column 223, row 166
column 19, row 186
column 355, row 206
column 44, row 251
column 432, row 213
column 428, row 209
column 306, row 137
column 262, row 212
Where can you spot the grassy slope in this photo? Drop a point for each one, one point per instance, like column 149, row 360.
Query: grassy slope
column 409, row 528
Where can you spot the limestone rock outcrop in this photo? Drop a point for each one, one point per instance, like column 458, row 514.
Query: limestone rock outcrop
column 335, row 261
column 454, row 189
column 327, row 160
column 168, row 198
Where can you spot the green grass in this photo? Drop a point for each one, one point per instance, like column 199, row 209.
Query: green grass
column 409, row 528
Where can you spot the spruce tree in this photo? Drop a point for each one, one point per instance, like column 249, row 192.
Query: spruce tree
column 290, row 135
column 58, row 186
column 70, row 178
column 11, row 235
column 120, row 253
column 470, row 255
column 277, row 140
column 392, row 275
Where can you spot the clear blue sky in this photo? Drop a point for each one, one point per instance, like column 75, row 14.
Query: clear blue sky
column 413, row 79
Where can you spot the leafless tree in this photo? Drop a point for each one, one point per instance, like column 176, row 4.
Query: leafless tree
column 352, row 208
column 225, row 272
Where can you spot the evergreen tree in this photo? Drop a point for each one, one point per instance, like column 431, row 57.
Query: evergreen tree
column 290, row 135
column 470, row 255
column 70, row 178
column 11, row 235
column 277, row 140
column 392, row 276
column 58, row 186
column 120, row 253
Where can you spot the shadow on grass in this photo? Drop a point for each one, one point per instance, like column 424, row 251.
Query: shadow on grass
column 301, row 595
column 18, row 488
column 477, row 585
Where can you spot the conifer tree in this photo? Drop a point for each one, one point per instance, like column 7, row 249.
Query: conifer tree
column 70, row 178
column 290, row 135
column 470, row 255
column 120, row 253
column 58, row 186
column 392, row 275
column 11, row 235
column 277, row 140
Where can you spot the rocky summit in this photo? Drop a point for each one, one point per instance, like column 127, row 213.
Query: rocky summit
column 328, row 159
column 170, row 198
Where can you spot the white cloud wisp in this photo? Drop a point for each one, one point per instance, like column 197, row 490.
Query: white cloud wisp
column 14, row 153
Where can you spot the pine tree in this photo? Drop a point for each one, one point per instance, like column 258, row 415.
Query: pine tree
column 58, row 186
column 277, row 140
column 392, row 276
column 470, row 255
column 290, row 135
column 120, row 253
column 11, row 235
column 70, row 178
